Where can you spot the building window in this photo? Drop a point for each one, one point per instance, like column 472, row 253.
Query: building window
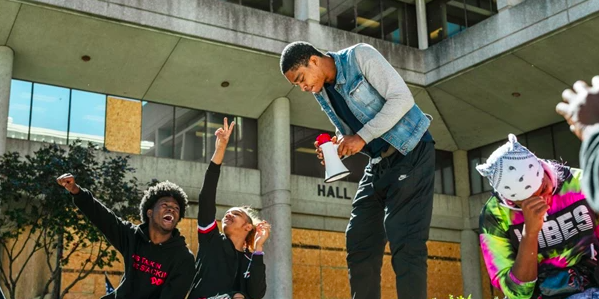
column 40, row 112
column 304, row 161
column 88, row 117
column 46, row 113
column 446, row 18
column 19, row 109
column 282, row 7
column 49, row 114
column 188, row 134
column 157, row 128
column 554, row 142
column 566, row 145
column 123, row 125
column 444, row 180
column 246, row 142
column 389, row 20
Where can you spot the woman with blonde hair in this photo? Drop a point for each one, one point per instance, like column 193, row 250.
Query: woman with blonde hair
column 229, row 264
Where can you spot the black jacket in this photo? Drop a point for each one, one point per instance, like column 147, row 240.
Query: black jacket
column 151, row 270
column 220, row 268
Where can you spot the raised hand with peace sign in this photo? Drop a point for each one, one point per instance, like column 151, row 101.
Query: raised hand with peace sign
column 222, row 139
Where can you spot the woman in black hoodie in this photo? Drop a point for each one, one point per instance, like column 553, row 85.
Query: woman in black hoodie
column 229, row 264
column 158, row 263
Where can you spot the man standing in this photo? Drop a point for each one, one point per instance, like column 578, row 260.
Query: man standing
column 158, row 263
column 374, row 113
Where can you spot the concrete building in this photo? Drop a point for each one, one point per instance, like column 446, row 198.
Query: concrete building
column 154, row 79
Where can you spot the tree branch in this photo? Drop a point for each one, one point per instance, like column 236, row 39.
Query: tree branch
column 27, row 260
column 27, row 239
column 81, row 274
column 49, row 264
column 3, row 276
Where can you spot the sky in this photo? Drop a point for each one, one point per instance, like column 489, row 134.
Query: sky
column 51, row 108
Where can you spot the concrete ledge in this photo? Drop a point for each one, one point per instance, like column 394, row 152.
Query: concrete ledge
column 242, row 27
column 239, row 26
column 477, row 202
column 445, row 235
column 318, row 222
column 502, row 33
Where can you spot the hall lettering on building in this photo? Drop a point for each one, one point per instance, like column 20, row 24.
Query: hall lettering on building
column 333, row 191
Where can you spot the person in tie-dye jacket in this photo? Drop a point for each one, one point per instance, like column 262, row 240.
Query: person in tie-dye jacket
column 538, row 234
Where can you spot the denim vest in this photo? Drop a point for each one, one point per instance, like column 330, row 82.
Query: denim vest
column 365, row 102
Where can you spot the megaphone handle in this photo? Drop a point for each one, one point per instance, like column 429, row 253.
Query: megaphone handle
column 336, row 146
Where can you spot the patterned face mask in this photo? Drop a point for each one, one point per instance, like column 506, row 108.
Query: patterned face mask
column 513, row 171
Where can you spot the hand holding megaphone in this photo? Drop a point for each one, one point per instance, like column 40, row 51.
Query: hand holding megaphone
column 318, row 151
column 327, row 150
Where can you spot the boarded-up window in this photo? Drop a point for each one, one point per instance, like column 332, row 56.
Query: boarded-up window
column 123, row 125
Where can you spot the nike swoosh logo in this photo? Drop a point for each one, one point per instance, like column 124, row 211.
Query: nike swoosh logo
column 402, row 177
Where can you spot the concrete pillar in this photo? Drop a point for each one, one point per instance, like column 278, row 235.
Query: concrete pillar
column 307, row 10
column 6, row 61
column 507, row 4
column 469, row 246
column 274, row 161
column 461, row 173
column 469, row 253
column 421, row 24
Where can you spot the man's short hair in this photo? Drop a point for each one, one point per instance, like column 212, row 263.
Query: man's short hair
column 158, row 191
column 297, row 54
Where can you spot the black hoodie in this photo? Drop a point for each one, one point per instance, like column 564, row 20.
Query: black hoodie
column 151, row 270
column 220, row 268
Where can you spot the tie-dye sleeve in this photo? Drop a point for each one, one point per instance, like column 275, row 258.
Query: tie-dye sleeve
column 499, row 256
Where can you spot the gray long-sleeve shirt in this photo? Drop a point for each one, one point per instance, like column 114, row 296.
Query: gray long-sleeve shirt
column 389, row 84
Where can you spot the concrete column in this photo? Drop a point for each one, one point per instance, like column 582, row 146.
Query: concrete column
column 461, row 173
column 462, row 184
column 421, row 23
column 307, row 10
column 6, row 61
column 471, row 276
column 507, row 4
column 469, row 246
column 274, row 161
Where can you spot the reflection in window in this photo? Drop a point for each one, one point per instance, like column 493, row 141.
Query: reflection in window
column 304, row 161
column 157, row 130
column 567, row 145
column 88, row 115
column 444, row 182
column 540, row 142
column 446, row 18
column 19, row 109
column 213, row 122
column 190, row 134
column 303, row 157
column 393, row 21
column 476, row 180
column 167, row 131
column 399, row 23
column 247, row 142
column 49, row 114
